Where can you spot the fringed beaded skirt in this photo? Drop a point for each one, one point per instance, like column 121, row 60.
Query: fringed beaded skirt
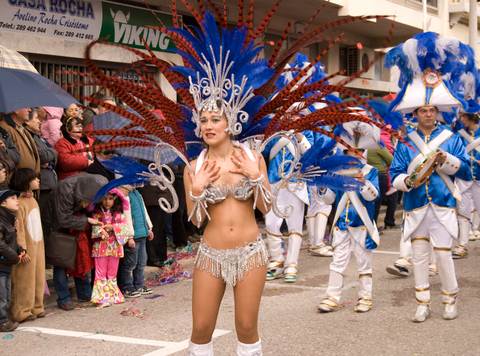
column 231, row 265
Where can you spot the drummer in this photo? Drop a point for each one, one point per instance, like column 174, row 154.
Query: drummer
column 424, row 168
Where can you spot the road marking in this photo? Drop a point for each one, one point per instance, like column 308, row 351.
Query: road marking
column 167, row 347
column 387, row 252
column 299, row 286
column 183, row 345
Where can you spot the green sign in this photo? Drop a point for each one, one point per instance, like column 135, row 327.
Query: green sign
column 132, row 26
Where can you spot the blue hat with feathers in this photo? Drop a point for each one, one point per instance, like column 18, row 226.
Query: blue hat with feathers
column 434, row 70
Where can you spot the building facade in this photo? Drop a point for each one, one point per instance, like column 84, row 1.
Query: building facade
column 54, row 34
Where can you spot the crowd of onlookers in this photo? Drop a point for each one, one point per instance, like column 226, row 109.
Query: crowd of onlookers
column 49, row 177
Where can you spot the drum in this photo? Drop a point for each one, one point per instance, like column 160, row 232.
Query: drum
column 424, row 170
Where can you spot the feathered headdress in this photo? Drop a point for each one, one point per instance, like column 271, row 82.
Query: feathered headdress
column 434, row 70
column 223, row 72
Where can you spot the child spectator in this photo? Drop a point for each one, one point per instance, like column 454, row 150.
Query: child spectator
column 108, row 240
column 10, row 254
column 51, row 124
column 28, row 279
column 132, row 266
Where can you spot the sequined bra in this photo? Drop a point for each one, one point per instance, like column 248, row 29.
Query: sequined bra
column 242, row 191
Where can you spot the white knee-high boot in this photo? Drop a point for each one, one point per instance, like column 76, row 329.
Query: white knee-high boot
column 274, row 244
column 464, row 228
column 200, row 349
column 311, row 230
column 249, row 349
column 421, row 254
column 449, row 283
column 293, row 249
column 335, row 285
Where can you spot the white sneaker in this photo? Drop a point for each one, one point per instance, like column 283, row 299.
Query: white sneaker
column 422, row 313
column 450, row 311
column 459, row 252
column 363, row 305
column 321, row 250
column 274, row 270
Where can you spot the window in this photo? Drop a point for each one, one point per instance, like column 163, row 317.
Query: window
column 349, row 58
column 68, row 74
column 430, row 3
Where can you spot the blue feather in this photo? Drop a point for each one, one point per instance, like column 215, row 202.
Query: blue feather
column 335, row 182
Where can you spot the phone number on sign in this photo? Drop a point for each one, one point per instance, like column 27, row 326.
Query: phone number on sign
column 71, row 34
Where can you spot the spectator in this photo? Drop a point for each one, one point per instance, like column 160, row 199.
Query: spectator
column 108, row 240
column 131, row 271
column 9, row 155
column 381, row 158
column 28, row 279
column 73, row 110
column 48, row 161
column 51, row 124
column 96, row 109
column 10, row 254
column 74, row 149
column 157, row 248
column 22, row 139
column 69, row 214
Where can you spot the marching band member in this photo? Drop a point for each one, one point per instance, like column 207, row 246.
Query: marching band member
column 354, row 228
column 291, row 198
column 423, row 166
column 470, row 190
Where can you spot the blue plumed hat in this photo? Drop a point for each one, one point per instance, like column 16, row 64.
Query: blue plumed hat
column 434, row 70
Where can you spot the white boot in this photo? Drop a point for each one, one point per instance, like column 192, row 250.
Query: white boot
column 334, row 291
column 318, row 247
column 450, row 301
column 275, row 266
column 291, row 261
column 422, row 313
column 200, row 349
column 249, row 349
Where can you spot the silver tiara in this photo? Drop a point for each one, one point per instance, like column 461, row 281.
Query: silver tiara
column 218, row 92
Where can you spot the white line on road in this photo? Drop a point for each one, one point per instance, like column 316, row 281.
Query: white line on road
column 387, row 252
column 95, row 336
column 167, row 347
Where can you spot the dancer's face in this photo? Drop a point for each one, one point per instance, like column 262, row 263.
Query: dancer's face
column 213, row 128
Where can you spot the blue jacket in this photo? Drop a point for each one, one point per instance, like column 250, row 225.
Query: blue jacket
column 140, row 225
column 473, row 155
column 283, row 155
column 434, row 190
column 349, row 216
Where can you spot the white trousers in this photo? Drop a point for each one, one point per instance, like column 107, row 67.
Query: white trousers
column 273, row 223
column 470, row 202
column 429, row 233
column 346, row 243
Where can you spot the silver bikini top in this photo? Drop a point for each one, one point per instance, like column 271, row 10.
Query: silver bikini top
column 242, row 191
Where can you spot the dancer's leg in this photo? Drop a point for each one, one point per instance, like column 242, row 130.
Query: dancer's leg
column 207, row 294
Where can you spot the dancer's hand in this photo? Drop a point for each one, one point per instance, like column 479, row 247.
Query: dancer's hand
column 208, row 173
column 245, row 166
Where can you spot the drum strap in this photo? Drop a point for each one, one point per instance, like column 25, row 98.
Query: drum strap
column 428, row 148
column 359, row 208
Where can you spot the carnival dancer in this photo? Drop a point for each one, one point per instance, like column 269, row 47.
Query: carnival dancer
column 424, row 166
column 354, row 228
column 228, row 93
column 470, row 190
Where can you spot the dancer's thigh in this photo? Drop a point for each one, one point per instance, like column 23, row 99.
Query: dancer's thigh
column 247, row 294
column 207, row 294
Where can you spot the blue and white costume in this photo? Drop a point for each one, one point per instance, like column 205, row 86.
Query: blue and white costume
column 291, row 197
column 437, row 72
column 354, row 229
column 470, row 190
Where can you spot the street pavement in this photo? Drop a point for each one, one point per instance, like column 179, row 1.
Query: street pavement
column 289, row 321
